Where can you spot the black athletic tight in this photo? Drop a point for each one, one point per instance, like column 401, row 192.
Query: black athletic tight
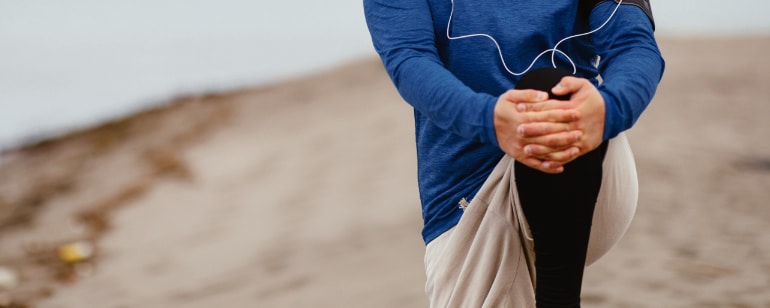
column 559, row 209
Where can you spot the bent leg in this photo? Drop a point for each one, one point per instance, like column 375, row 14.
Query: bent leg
column 559, row 209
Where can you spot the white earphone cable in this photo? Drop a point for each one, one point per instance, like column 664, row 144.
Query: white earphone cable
column 555, row 47
column 553, row 50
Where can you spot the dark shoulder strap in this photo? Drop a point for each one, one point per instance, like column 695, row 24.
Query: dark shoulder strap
column 586, row 6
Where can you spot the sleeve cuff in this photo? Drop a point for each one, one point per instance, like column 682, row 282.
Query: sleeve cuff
column 612, row 125
column 489, row 114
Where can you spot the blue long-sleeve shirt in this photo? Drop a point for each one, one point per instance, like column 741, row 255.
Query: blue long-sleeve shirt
column 454, row 85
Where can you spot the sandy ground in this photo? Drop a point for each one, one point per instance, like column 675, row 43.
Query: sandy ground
column 303, row 194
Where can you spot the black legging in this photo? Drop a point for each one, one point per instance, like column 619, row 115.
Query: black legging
column 559, row 209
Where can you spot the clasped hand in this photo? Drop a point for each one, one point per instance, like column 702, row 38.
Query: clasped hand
column 547, row 134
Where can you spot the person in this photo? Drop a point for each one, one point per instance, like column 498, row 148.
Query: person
column 534, row 167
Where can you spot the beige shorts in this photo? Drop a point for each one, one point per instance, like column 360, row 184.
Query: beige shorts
column 487, row 260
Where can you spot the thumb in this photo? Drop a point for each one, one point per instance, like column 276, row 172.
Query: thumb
column 567, row 85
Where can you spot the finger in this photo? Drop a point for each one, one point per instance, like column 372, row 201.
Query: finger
column 568, row 85
column 526, row 96
column 542, row 152
column 543, row 106
column 558, row 140
column 545, row 153
column 537, row 129
column 554, row 167
column 555, row 116
column 547, row 167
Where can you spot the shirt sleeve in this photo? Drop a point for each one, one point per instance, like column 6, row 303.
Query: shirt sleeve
column 403, row 35
column 631, row 64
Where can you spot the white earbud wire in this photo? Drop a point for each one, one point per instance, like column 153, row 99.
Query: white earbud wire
column 553, row 50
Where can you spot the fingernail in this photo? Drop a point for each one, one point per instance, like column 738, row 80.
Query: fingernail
column 557, row 88
column 528, row 149
column 577, row 136
column 546, row 165
column 520, row 130
column 574, row 152
column 521, row 107
column 542, row 96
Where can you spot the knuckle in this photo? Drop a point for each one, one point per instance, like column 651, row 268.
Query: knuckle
column 554, row 156
column 552, row 142
column 544, row 128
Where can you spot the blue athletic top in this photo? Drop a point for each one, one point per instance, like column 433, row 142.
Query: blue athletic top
column 453, row 85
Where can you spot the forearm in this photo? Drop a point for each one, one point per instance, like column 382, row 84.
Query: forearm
column 631, row 65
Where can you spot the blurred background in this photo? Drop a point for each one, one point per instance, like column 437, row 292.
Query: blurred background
column 174, row 153
column 70, row 64
column 73, row 64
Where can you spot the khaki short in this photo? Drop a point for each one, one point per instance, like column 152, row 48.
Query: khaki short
column 487, row 260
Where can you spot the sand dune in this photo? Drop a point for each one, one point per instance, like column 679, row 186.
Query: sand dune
column 303, row 194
